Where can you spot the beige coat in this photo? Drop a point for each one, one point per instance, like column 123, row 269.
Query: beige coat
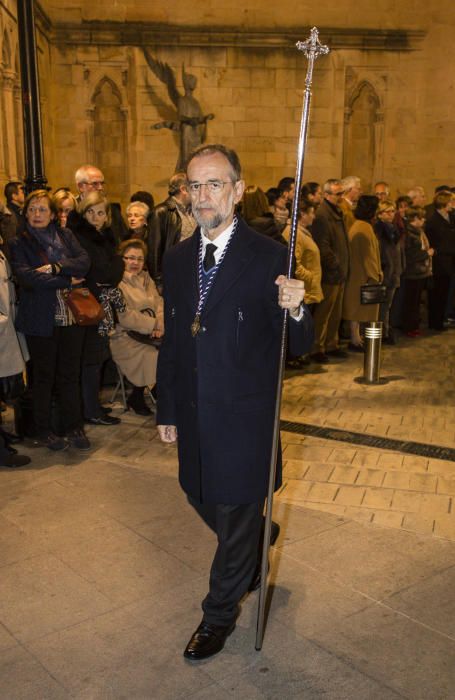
column 13, row 348
column 364, row 266
column 137, row 361
column 308, row 264
column 348, row 213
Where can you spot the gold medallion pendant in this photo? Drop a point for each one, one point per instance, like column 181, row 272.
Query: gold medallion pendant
column 196, row 325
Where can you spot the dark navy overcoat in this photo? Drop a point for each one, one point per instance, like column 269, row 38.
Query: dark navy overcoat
column 37, row 296
column 219, row 388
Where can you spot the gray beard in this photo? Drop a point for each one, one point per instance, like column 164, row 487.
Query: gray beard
column 208, row 224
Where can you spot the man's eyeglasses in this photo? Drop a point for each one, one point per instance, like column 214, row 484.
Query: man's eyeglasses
column 94, row 183
column 213, row 186
column 133, row 258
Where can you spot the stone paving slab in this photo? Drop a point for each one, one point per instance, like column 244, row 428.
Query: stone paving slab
column 103, row 564
column 112, row 564
column 374, row 485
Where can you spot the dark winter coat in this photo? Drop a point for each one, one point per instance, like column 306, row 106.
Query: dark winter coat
column 418, row 261
column 219, row 387
column 391, row 253
column 165, row 232
column 267, row 225
column 37, row 299
column 441, row 236
column 331, row 238
column 106, row 267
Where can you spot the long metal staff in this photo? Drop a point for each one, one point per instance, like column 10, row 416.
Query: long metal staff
column 312, row 49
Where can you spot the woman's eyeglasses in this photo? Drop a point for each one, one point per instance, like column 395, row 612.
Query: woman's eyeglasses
column 133, row 258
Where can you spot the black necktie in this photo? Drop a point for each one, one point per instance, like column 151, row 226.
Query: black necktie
column 209, row 257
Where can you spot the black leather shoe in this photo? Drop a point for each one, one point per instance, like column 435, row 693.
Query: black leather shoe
column 321, row 358
column 207, row 641
column 104, row 420
column 10, row 438
column 354, row 347
column 256, row 580
column 139, row 407
column 389, row 340
column 338, row 352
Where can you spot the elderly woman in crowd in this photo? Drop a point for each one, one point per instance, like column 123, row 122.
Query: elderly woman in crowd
column 64, row 202
column 392, row 260
column 134, row 352
column 95, row 235
column 307, row 265
column 256, row 212
column 137, row 214
column 364, row 268
column 417, row 271
column 46, row 260
column 307, row 256
column 138, row 217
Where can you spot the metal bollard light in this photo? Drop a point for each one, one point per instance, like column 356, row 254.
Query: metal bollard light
column 372, row 358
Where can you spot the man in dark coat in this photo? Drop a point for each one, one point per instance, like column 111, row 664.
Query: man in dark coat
column 11, row 220
column 440, row 231
column 217, row 377
column 89, row 178
column 330, row 234
column 170, row 223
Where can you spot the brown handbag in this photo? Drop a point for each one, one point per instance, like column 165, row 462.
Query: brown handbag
column 87, row 310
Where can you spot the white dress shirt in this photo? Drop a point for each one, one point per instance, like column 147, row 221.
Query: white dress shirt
column 221, row 242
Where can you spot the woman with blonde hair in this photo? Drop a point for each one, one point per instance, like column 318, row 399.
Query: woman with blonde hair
column 307, row 256
column 64, row 202
column 94, row 233
column 139, row 327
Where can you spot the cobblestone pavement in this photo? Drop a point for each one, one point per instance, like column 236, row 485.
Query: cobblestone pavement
column 381, row 486
column 103, row 563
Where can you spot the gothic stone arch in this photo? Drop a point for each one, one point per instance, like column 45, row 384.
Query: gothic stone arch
column 363, row 134
column 109, row 149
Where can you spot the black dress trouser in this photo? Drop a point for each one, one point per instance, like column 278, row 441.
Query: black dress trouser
column 412, row 293
column 56, row 362
column 437, row 299
column 238, row 529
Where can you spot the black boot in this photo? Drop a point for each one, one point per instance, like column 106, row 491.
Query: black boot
column 136, row 401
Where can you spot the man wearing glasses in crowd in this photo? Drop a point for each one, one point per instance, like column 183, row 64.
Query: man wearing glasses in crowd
column 330, row 234
column 89, row 178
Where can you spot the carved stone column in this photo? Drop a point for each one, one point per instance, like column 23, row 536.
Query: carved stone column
column 378, row 172
column 34, row 178
column 9, row 78
column 3, row 154
column 18, row 120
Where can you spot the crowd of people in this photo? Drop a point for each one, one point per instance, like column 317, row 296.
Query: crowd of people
column 53, row 242
column 346, row 240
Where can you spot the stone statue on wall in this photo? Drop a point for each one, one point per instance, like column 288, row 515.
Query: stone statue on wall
column 191, row 123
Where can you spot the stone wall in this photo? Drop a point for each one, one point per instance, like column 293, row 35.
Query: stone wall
column 383, row 101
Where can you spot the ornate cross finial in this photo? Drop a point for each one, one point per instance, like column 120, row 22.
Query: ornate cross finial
column 312, row 46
